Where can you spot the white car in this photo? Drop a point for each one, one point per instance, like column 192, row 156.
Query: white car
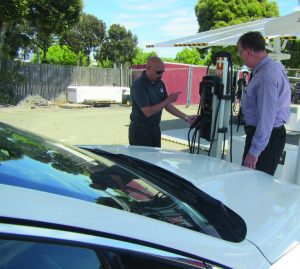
column 137, row 207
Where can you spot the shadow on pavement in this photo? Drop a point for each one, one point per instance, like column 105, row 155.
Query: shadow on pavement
column 173, row 124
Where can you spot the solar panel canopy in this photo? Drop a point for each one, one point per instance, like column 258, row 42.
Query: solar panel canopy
column 287, row 26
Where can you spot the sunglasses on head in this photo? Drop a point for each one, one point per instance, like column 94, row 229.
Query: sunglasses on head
column 160, row 72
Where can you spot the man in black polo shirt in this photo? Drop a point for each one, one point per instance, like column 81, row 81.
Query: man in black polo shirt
column 149, row 97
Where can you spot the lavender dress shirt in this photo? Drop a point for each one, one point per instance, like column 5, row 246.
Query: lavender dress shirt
column 266, row 102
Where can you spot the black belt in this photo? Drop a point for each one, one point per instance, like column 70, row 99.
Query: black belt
column 278, row 128
column 253, row 128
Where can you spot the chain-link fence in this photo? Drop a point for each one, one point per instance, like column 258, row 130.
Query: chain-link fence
column 181, row 78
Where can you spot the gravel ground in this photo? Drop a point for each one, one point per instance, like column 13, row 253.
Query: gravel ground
column 102, row 125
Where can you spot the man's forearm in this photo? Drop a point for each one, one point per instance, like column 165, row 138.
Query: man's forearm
column 175, row 111
column 151, row 110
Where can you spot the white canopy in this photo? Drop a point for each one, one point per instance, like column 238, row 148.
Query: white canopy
column 278, row 29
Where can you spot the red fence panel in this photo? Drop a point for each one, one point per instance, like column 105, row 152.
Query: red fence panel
column 177, row 78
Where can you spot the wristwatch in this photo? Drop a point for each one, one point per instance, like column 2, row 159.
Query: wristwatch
column 186, row 118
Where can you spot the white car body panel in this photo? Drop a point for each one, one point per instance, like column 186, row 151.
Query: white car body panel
column 290, row 260
column 27, row 204
column 272, row 214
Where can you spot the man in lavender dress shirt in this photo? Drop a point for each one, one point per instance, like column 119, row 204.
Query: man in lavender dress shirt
column 265, row 105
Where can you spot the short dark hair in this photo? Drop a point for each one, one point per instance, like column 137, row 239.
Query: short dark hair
column 252, row 40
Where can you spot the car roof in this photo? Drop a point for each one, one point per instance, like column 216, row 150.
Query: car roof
column 74, row 213
column 270, row 208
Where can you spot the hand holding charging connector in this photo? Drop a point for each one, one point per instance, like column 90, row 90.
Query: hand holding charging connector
column 196, row 122
column 190, row 119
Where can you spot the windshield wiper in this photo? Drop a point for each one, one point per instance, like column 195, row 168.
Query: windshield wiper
column 230, row 225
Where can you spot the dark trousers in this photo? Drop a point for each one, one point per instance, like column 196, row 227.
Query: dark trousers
column 143, row 135
column 269, row 158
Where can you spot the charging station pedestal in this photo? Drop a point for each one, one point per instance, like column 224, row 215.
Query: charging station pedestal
column 221, row 112
column 214, row 107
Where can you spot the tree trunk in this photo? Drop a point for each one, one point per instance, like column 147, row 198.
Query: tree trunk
column 3, row 27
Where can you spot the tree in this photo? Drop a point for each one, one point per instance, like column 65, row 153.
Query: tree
column 16, row 37
column 212, row 14
column 10, row 11
column 142, row 57
column 168, row 59
column 11, row 77
column 85, row 36
column 51, row 18
column 189, row 56
column 293, row 48
column 61, row 55
column 119, row 46
column 40, row 21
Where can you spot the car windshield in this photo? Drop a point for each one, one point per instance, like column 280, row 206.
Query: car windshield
column 30, row 161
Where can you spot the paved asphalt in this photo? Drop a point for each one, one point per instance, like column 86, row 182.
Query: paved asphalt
column 102, row 125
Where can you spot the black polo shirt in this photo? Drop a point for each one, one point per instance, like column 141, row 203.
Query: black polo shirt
column 146, row 93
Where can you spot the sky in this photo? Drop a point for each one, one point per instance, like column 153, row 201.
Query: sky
column 154, row 21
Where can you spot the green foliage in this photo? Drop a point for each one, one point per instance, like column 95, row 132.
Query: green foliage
column 33, row 26
column 189, row 56
column 61, row 55
column 11, row 10
column 119, row 47
column 50, row 18
column 35, row 58
column 169, row 60
column 142, row 57
column 85, row 36
column 82, row 59
column 212, row 14
column 14, row 39
column 105, row 64
column 10, row 78
column 231, row 49
column 54, row 17
column 39, row 21
column 293, row 48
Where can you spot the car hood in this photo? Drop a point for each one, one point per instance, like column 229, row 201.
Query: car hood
column 86, row 218
column 270, row 208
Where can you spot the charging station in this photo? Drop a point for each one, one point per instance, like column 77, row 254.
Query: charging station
column 215, row 108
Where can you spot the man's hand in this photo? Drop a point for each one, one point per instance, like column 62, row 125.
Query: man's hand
column 190, row 119
column 151, row 110
column 173, row 97
column 250, row 161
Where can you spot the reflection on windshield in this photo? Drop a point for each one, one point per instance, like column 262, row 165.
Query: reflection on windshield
column 32, row 162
